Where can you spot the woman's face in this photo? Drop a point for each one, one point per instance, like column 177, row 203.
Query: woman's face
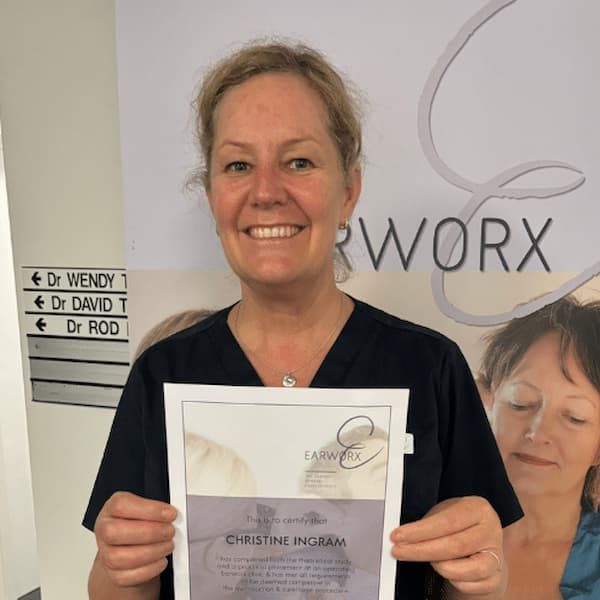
column 277, row 188
column 547, row 427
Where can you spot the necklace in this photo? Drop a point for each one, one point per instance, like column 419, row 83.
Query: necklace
column 288, row 379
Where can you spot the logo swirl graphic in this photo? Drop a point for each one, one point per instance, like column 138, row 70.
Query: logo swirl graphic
column 496, row 187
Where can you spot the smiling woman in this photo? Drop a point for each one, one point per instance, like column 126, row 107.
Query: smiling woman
column 280, row 140
column 540, row 380
column 275, row 185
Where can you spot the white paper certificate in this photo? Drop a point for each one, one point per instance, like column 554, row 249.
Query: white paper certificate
column 284, row 494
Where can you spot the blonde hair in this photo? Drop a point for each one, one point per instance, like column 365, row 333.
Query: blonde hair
column 358, row 438
column 257, row 58
column 214, row 469
column 170, row 325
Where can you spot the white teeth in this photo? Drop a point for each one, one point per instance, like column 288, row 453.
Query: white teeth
column 278, row 231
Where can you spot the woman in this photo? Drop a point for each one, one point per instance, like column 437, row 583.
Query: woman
column 281, row 143
column 540, row 380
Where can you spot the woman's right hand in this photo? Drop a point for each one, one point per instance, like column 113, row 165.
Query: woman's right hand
column 134, row 536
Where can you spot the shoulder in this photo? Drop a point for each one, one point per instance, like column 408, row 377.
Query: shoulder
column 193, row 345
column 199, row 330
column 581, row 577
column 587, row 541
column 589, row 525
column 396, row 323
column 405, row 334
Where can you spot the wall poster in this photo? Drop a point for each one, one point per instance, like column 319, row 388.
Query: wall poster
column 479, row 207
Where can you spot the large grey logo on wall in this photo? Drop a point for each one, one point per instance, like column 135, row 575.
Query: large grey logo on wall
column 481, row 192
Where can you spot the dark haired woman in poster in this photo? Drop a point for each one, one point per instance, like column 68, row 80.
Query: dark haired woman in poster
column 540, row 381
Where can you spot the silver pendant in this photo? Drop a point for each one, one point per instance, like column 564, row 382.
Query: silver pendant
column 288, row 380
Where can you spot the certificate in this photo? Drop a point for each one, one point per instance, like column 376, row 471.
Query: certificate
column 285, row 494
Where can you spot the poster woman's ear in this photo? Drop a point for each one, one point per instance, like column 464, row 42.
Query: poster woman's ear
column 487, row 397
column 596, row 463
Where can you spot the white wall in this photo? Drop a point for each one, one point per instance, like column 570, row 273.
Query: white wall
column 58, row 107
column 18, row 554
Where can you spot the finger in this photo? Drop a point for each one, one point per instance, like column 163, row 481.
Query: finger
column 122, row 558
column 483, row 587
column 125, row 532
column 129, row 506
column 137, row 576
column 445, row 519
column 449, row 547
column 474, row 568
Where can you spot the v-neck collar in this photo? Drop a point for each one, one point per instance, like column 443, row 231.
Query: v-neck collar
column 332, row 371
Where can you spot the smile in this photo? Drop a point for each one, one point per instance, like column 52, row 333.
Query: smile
column 533, row 460
column 273, row 232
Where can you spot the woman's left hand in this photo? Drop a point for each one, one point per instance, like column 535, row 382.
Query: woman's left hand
column 462, row 539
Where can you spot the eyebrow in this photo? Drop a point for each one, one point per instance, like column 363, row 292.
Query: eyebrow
column 248, row 146
column 526, row 383
column 300, row 140
column 568, row 397
column 586, row 398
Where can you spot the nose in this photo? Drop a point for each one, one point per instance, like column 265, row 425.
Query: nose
column 267, row 186
column 539, row 427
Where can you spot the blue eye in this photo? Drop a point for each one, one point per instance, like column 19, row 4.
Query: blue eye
column 300, row 164
column 237, row 166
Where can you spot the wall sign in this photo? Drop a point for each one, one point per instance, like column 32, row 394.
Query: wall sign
column 77, row 331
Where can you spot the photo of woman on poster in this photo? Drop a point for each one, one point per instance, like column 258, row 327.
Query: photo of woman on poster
column 212, row 468
column 540, row 382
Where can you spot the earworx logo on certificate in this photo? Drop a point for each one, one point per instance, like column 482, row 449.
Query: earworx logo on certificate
column 284, row 494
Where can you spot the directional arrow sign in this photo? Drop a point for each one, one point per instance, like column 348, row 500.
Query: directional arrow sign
column 109, row 327
column 39, row 302
column 61, row 279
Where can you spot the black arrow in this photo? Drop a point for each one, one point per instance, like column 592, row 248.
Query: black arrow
column 41, row 324
column 39, row 302
column 36, row 278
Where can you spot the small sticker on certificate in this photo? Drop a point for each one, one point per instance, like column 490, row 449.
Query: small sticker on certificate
column 285, row 494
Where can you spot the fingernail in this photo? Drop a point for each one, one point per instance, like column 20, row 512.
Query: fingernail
column 168, row 513
column 397, row 536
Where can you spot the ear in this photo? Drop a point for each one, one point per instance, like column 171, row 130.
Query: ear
column 353, row 188
column 209, row 195
column 596, row 462
column 487, row 397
